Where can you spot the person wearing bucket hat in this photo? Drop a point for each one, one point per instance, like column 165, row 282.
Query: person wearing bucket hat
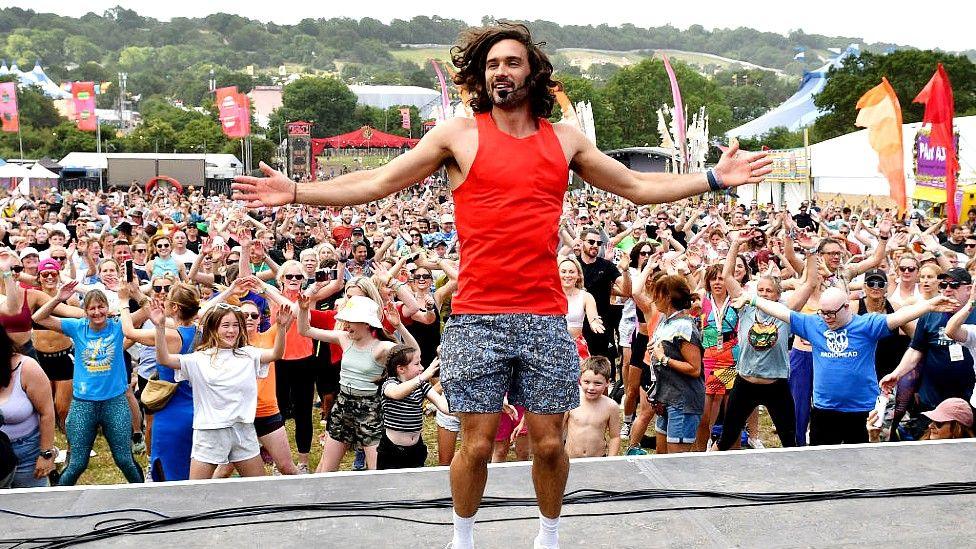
column 356, row 417
column 952, row 418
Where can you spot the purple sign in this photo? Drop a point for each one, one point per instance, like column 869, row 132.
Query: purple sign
column 930, row 161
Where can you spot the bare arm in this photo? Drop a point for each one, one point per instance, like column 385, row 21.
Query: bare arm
column 954, row 327
column 810, row 283
column 163, row 355
column 909, row 313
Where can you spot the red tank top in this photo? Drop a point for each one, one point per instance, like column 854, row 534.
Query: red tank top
column 507, row 213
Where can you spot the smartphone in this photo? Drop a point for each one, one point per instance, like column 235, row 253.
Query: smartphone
column 219, row 279
column 129, row 275
column 324, row 275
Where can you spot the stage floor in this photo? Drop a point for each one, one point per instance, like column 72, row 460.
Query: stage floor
column 940, row 521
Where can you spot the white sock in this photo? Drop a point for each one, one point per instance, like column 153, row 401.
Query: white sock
column 548, row 537
column 463, row 532
column 629, row 419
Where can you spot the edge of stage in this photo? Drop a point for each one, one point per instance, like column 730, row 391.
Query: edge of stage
column 929, row 521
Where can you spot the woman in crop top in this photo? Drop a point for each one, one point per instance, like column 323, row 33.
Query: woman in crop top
column 28, row 412
column 356, row 418
column 581, row 303
column 162, row 262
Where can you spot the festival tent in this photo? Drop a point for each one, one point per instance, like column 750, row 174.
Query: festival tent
column 15, row 175
column 35, row 77
column 798, row 111
column 848, row 165
column 363, row 138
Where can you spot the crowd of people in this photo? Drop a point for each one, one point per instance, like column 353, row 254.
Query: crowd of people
column 184, row 327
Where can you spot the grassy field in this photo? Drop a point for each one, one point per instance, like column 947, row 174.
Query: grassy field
column 102, row 470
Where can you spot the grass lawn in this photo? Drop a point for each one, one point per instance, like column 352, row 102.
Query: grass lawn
column 102, row 470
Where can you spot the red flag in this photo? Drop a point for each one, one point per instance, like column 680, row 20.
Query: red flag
column 8, row 107
column 939, row 112
column 83, row 100
column 234, row 112
column 405, row 117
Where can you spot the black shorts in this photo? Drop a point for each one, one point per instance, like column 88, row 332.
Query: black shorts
column 394, row 456
column 59, row 365
column 269, row 424
column 141, row 383
column 638, row 347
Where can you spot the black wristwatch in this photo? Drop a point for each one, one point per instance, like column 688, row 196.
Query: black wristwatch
column 49, row 454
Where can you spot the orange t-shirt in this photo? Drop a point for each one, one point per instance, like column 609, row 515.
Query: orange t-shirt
column 296, row 345
column 267, row 398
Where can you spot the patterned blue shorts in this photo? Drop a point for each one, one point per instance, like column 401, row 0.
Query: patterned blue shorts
column 530, row 357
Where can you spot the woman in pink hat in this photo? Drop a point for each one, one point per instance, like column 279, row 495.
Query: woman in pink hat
column 952, row 418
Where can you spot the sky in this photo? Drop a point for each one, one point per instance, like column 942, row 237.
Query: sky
column 902, row 22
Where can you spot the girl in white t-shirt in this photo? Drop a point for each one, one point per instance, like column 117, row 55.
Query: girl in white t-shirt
column 223, row 372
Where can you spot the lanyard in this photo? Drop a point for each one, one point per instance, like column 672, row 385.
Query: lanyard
column 719, row 318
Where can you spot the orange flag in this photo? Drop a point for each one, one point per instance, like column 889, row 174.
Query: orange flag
column 880, row 113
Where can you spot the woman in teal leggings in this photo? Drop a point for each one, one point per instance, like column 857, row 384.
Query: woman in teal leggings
column 98, row 386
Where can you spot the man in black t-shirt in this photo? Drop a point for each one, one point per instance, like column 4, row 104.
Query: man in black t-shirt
column 601, row 278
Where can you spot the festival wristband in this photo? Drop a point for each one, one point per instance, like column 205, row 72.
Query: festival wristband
column 714, row 183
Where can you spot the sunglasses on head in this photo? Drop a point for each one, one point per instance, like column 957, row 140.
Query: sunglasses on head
column 294, row 277
column 161, row 289
column 954, row 284
column 227, row 307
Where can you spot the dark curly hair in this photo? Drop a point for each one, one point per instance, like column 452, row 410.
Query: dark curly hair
column 470, row 56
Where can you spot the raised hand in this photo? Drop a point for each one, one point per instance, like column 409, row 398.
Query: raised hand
column 275, row 189
column 67, row 290
column 737, row 167
column 285, row 317
column 392, row 315
column 303, row 302
column 156, row 314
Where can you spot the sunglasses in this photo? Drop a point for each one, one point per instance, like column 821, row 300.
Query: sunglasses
column 161, row 289
column 162, row 246
column 833, row 313
column 594, row 242
column 423, row 277
column 907, row 269
column 17, row 268
column 252, row 316
column 954, row 284
column 294, row 277
column 644, row 254
column 415, row 236
column 876, row 284
column 970, row 244
column 59, row 257
column 47, row 274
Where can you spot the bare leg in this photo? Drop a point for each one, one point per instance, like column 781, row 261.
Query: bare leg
column 224, row 470
column 661, row 443
column 446, row 445
column 62, row 401
column 200, row 470
column 469, row 468
column 253, row 467
column 276, row 443
column 712, row 405
column 523, row 448
column 499, row 451
column 550, row 464
column 370, row 452
column 331, row 455
column 674, row 448
column 643, row 420
column 632, row 391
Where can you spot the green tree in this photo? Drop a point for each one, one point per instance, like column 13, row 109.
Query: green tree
column 326, row 102
column 775, row 138
column 636, row 93
column 907, row 70
column 153, row 135
column 200, row 135
column 580, row 89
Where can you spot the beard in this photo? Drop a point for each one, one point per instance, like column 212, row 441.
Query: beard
column 515, row 98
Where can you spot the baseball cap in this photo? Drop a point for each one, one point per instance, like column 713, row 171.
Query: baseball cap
column 876, row 274
column 447, row 218
column 439, row 243
column 49, row 265
column 583, row 213
column 958, row 274
column 952, row 409
column 28, row 251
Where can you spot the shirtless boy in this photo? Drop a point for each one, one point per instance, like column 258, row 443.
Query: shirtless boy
column 587, row 425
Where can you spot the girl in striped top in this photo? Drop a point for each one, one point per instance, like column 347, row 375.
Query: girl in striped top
column 404, row 391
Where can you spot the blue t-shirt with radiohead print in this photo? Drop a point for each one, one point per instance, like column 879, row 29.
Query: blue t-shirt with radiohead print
column 844, row 378
column 99, row 372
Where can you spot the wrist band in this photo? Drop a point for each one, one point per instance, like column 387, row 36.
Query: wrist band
column 714, row 183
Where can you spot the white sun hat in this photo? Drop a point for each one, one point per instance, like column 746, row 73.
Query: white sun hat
column 361, row 309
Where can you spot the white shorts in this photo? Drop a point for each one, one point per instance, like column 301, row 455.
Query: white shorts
column 626, row 331
column 448, row 422
column 239, row 442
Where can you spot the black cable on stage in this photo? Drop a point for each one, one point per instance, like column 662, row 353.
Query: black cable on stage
column 359, row 509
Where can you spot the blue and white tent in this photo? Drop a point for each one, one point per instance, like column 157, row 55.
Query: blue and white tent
column 35, row 77
column 798, row 111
